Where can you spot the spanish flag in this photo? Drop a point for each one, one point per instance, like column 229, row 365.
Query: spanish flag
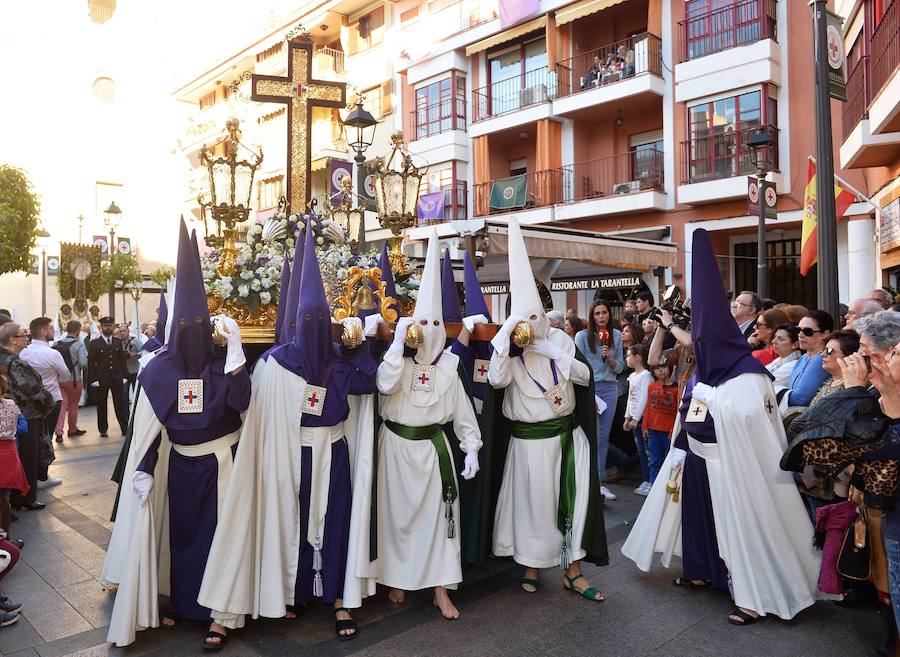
column 809, row 250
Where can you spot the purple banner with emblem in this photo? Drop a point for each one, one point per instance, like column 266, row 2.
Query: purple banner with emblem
column 431, row 207
column 103, row 242
column 513, row 12
column 338, row 169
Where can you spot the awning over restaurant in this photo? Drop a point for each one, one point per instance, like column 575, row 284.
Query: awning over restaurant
column 507, row 35
column 586, row 247
column 584, row 8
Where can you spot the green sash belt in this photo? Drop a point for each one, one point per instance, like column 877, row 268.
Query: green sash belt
column 434, row 433
column 562, row 427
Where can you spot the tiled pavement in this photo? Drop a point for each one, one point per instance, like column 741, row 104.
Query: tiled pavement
column 66, row 609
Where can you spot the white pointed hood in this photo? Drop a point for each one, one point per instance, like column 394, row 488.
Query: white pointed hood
column 525, row 300
column 429, row 306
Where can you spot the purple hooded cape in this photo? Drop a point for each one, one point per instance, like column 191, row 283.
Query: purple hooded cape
column 312, row 355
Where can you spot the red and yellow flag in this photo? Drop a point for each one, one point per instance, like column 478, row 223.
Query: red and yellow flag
column 809, row 250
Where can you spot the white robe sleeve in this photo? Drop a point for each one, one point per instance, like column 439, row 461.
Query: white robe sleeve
column 390, row 372
column 465, row 424
column 499, row 370
column 575, row 371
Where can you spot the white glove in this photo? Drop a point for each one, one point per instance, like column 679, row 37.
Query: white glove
column 471, row 468
column 706, row 394
column 546, row 348
column 678, row 456
column 142, row 484
column 501, row 340
column 234, row 359
column 372, row 322
column 470, row 321
column 95, row 384
column 403, row 325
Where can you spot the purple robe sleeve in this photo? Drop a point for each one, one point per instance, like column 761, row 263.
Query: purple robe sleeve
column 148, row 463
column 238, row 397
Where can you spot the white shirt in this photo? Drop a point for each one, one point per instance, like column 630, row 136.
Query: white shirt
column 638, row 384
column 49, row 364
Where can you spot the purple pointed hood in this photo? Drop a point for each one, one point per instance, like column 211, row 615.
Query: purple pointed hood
column 449, row 293
column 292, row 298
column 722, row 352
column 475, row 303
column 282, row 296
column 195, row 245
column 162, row 316
column 190, row 340
column 313, row 335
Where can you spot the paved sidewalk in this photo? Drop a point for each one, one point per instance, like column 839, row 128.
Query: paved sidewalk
column 67, row 611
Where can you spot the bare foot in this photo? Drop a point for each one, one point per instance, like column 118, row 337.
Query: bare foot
column 214, row 640
column 442, row 602
column 168, row 621
column 290, row 615
column 530, row 573
column 397, row 596
column 574, row 580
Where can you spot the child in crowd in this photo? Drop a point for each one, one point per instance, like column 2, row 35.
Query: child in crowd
column 638, row 384
column 659, row 418
column 12, row 474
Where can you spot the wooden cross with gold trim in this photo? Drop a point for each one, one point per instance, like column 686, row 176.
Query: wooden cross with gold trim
column 300, row 93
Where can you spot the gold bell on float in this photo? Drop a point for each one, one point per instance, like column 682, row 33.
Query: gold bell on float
column 363, row 300
column 415, row 336
column 523, row 335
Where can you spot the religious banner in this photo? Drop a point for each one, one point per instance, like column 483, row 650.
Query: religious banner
column 365, row 187
column 52, row 265
column 513, row 12
column 79, row 274
column 123, row 245
column 337, row 170
column 508, row 193
column 837, row 60
column 769, row 196
column 101, row 241
column 430, row 208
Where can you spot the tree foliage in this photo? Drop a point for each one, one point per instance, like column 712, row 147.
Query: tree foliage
column 121, row 267
column 161, row 275
column 19, row 210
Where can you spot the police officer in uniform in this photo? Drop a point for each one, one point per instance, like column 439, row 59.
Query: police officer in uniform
column 107, row 371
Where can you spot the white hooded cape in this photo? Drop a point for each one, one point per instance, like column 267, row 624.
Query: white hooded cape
column 252, row 564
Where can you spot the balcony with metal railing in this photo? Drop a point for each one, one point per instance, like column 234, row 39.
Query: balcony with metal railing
column 857, row 106
column 738, row 24
column 609, row 64
column 515, row 93
column 725, row 154
column 636, row 171
column 885, row 72
column 440, row 117
column 443, row 206
column 526, row 191
column 328, row 62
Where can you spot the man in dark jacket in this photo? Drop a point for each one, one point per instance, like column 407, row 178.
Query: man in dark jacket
column 34, row 402
column 107, row 372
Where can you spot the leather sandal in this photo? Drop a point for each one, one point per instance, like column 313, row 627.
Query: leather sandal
column 746, row 619
column 213, row 647
column 590, row 593
column 344, row 625
column 689, row 584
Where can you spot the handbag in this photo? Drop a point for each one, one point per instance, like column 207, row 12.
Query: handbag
column 854, row 561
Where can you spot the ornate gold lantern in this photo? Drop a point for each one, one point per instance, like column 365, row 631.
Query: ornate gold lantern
column 230, row 189
column 396, row 195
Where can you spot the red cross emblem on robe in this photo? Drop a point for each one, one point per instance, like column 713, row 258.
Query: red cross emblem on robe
column 190, row 395
column 313, row 400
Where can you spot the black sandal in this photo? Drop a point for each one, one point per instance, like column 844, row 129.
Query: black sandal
column 223, row 639
column 343, row 625
column 746, row 619
column 688, row 584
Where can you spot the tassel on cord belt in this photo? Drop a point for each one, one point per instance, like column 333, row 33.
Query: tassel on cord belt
column 448, row 513
column 565, row 554
column 318, row 587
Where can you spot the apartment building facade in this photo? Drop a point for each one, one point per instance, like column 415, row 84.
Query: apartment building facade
column 612, row 129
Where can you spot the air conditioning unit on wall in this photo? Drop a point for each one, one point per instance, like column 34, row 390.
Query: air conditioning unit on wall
column 629, row 187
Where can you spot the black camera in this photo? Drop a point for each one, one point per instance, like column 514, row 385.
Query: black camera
column 680, row 308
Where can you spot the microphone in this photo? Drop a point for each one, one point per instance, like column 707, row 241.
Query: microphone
column 603, row 338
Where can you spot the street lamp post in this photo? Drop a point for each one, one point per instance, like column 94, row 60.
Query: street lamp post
column 112, row 218
column 42, row 236
column 360, row 125
column 760, row 144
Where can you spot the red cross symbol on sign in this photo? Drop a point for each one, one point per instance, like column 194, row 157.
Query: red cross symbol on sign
column 482, row 370
column 423, row 378
column 557, row 400
column 833, row 47
column 313, row 400
column 190, row 397
column 697, row 411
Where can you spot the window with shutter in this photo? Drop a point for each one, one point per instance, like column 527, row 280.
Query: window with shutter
column 386, row 91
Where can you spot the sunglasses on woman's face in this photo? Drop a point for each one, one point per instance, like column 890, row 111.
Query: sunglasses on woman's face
column 829, row 351
column 808, row 332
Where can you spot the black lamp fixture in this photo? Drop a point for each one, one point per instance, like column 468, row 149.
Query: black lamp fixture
column 761, row 145
column 360, row 125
